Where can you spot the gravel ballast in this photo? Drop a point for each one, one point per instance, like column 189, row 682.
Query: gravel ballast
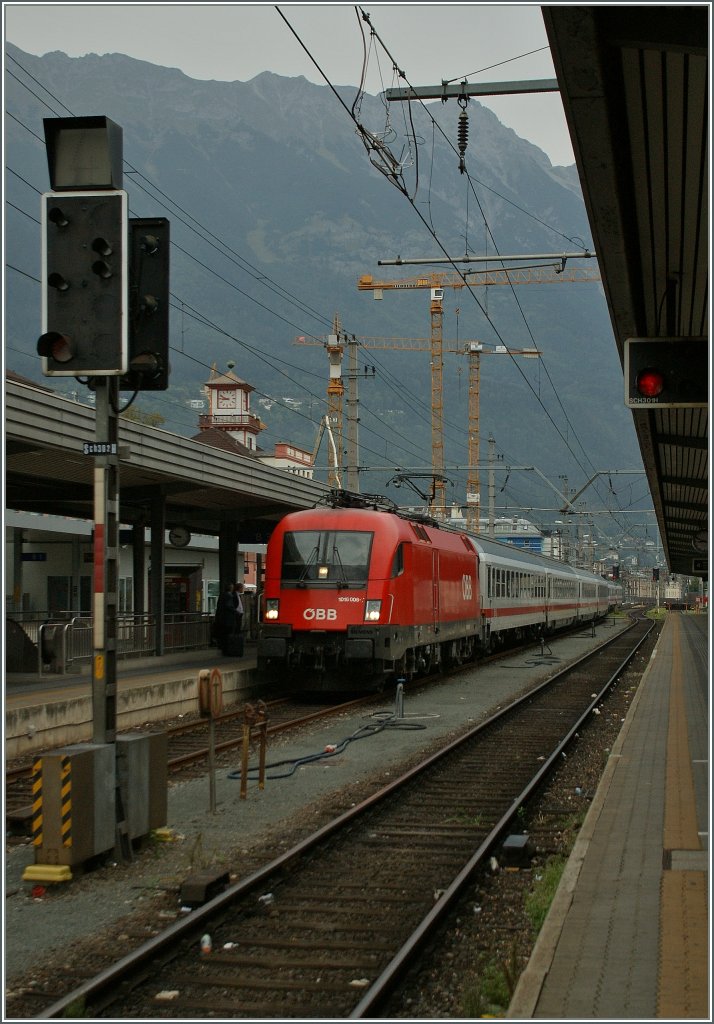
column 108, row 911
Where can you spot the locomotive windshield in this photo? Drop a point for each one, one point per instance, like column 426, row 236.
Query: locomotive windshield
column 338, row 558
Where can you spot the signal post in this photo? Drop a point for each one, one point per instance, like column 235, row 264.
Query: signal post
column 105, row 287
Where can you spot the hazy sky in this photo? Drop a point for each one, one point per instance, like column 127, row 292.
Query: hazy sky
column 234, row 42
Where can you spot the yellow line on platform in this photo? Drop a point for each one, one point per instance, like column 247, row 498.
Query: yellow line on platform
column 684, row 955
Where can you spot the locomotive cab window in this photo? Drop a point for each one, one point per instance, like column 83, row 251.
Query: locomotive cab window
column 331, row 558
column 398, row 561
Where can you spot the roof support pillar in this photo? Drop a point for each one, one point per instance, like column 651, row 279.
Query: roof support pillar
column 156, row 598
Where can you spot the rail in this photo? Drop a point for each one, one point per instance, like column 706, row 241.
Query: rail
column 453, row 835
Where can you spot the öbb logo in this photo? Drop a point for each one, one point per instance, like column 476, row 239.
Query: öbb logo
column 320, row 614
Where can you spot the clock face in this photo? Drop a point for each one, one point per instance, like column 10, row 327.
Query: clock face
column 179, row 536
column 226, row 399
column 700, row 541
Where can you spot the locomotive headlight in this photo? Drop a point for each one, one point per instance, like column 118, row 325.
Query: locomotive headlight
column 272, row 606
column 323, row 572
column 372, row 611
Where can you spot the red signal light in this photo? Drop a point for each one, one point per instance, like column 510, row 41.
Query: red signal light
column 650, row 382
column 666, row 373
column 56, row 346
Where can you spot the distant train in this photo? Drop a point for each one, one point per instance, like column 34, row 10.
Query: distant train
column 359, row 594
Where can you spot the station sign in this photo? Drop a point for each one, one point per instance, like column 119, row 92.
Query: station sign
column 99, row 448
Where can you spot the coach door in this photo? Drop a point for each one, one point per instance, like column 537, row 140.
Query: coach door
column 548, row 600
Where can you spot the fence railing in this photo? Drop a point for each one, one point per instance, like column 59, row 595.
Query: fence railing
column 64, row 642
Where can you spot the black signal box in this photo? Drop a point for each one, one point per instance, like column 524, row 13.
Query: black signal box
column 666, row 373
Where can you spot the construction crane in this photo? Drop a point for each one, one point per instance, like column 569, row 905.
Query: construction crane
column 333, row 471
column 335, row 398
column 473, row 350
column 436, row 281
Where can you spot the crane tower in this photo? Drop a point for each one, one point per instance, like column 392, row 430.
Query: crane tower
column 436, row 281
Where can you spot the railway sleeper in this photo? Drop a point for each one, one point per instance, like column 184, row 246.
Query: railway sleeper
column 277, row 962
column 230, row 981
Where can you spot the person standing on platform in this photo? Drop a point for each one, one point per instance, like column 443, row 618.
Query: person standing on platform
column 224, row 625
column 238, row 596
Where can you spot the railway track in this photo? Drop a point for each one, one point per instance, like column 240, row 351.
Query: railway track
column 329, row 928
column 188, row 748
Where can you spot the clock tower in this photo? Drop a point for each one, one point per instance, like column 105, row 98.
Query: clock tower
column 229, row 408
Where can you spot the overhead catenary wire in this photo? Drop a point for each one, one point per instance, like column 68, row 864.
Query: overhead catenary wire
column 466, row 284
column 200, row 318
column 259, row 276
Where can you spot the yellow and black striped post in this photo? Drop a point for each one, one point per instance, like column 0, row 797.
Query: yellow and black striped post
column 37, row 809
column 66, row 801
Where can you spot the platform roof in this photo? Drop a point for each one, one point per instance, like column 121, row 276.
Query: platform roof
column 635, row 86
column 46, row 471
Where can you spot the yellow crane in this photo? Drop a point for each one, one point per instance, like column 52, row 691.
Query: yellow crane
column 335, row 398
column 436, row 281
column 472, row 349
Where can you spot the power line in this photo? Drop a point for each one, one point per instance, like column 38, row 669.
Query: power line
column 390, row 171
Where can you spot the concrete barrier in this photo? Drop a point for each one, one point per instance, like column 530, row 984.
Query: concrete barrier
column 59, row 723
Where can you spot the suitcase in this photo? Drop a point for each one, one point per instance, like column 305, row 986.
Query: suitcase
column 233, row 646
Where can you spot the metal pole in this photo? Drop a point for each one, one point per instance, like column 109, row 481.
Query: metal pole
column 244, row 758
column 263, row 731
column 212, row 763
column 106, row 574
column 491, row 486
column 352, row 467
column 399, row 702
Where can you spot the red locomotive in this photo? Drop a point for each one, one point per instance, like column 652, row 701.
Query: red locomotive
column 357, row 595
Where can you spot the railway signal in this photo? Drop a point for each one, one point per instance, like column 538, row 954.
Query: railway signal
column 666, row 373
column 149, row 244
column 84, row 274
column 84, row 284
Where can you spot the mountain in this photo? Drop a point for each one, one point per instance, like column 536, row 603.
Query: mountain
column 276, row 211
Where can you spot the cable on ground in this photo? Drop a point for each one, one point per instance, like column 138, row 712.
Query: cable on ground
column 390, row 721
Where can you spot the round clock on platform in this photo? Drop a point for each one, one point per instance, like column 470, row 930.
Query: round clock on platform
column 179, row 536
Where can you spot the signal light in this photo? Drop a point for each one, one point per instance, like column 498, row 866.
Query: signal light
column 666, row 373
column 57, row 281
column 84, row 293
column 149, row 245
column 650, row 382
column 55, row 346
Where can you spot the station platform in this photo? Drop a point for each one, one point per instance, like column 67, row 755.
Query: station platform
column 128, row 671
column 628, row 932
column 46, row 710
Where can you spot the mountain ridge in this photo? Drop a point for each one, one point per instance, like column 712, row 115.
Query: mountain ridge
column 276, row 212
